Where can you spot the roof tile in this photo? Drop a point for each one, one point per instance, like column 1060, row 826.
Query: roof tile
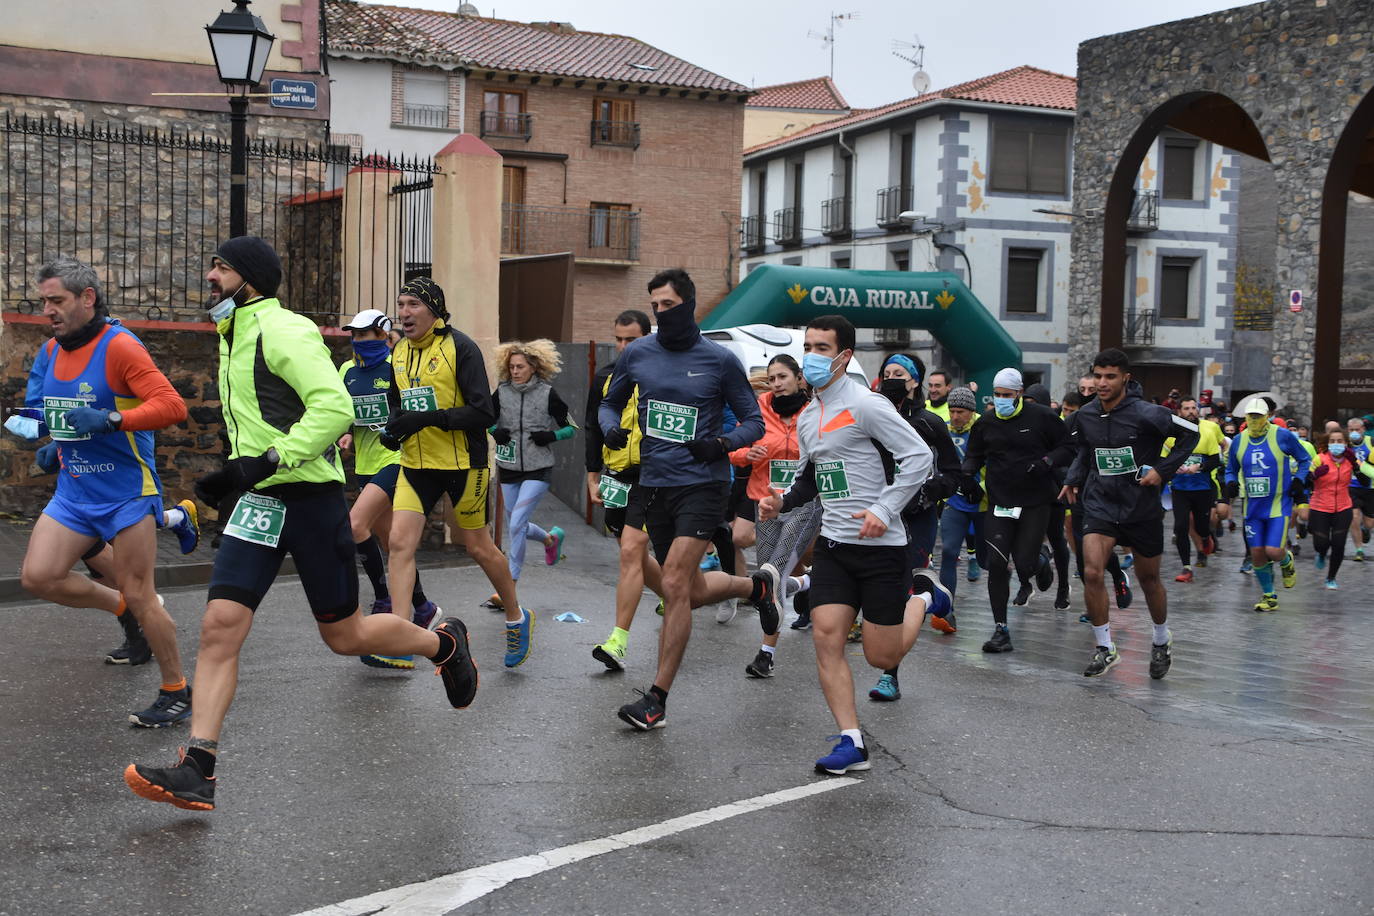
column 818, row 94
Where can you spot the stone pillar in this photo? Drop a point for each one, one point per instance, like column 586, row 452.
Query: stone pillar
column 467, row 236
column 1295, row 333
column 371, row 259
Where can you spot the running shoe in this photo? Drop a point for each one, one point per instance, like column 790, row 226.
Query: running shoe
column 941, row 602
column 133, row 651
column 1202, row 560
column 1084, row 618
column 170, row 707
column 1128, row 561
column 381, row 606
column 761, row 666
column 1331, row 584
column 188, row 529
column 1246, row 566
column 661, row 607
column 1023, row 594
column 974, row 571
column 726, row 610
column 843, row 757
column 1297, row 550
column 946, row 624
column 644, row 713
column 425, row 615
column 1044, row 570
column 1321, row 561
column 1267, row 603
column 518, row 638
column 1104, row 660
column 803, row 621
column 1359, row 555
column 1000, row 641
column 1185, row 576
column 710, row 563
column 1123, row 592
column 856, row 631
column 611, row 653
column 886, row 690
column 1209, row 546
column 458, row 671
column 495, row 603
column 554, row 552
column 769, row 604
column 1061, row 598
column 390, row 662
column 1290, row 573
column 1161, row 657
column 182, row 785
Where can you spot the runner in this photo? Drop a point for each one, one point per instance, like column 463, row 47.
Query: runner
column 684, row 382
column 613, row 483
column 964, row 511
column 1336, row 465
column 1019, row 443
column 851, row 443
column 937, row 394
column 530, row 418
column 102, row 398
column 282, row 492
column 367, row 376
column 1258, row 470
column 1115, row 438
column 441, row 410
column 1193, row 491
column 1054, row 531
column 1361, row 489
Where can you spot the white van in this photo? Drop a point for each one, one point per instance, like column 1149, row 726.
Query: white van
column 755, row 344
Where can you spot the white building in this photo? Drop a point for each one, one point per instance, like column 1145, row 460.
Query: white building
column 989, row 165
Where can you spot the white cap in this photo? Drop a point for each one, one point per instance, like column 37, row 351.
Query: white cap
column 1009, row 378
column 367, row 319
column 1255, row 405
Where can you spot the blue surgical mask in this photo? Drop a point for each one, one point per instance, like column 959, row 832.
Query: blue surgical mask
column 1337, row 449
column 1005, row 407
column 1355, row 437
column 371, row 352
column 224, row 307
column 817, row 369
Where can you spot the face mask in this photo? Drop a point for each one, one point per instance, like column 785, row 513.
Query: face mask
column 818, row 369
column 894, row 389
column 677, row 327
column 221, row 309
column 1256, row 425
column 1356, row 437
column 787, row 404
column 371, row 352
column 1337, row 449
column 1005, row 407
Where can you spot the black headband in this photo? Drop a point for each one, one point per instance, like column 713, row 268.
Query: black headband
column 428, row 292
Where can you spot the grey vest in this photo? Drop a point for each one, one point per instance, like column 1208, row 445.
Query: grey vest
column 523, row 414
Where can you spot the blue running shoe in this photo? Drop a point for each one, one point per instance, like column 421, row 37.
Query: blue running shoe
column 974, row 572
column 170, row 707
column 1321, row 561
column 710, row 563
column 942, row 603
column 518, row 639
column 843, row 757
column 381, row 606
column 1331, row 584
column 1246, row 566
column 554, row 552
column 425, row 615
column 1128, row 561
column 392, row 662
column 886, row 690
column 188, row 529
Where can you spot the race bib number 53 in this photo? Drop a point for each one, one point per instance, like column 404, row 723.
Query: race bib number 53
column 671, row 422
column 257, row 519
column 1114, row 461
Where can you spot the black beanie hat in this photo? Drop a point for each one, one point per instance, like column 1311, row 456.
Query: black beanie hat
column 1038, row 393
column 255, row 261
column 428, row 292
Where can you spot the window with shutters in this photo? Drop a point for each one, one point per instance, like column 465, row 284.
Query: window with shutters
column 1178, row 288
column 1024, row 280
column 1180, row 169
column 425, row 100
column 1029, row 158
column 614, row 124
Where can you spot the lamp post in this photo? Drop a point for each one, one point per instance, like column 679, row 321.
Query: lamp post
column 240, row 44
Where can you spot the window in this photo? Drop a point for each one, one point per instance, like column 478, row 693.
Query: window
column 609, row 227
column 613, row 123
column 1030, row 159
column 503, row 114
column 760, row 193
column 840, row 261
column 425, row 100
column 1023, row 280
column 1180, row 169
column 1176, row 287
column 796, row 187
column 899, row 260
column 513, row 208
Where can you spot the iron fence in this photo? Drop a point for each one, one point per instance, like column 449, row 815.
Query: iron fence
column 1140, row 328
column 147, row 208
column 892, row 203
column 835, row 216
column 787, row 225
column 1144, row 215
column 615, row 133
column 515, row 125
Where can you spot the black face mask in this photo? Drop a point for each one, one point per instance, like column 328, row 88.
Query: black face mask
column 677, row 327
column 894, row 389
column 784, row 405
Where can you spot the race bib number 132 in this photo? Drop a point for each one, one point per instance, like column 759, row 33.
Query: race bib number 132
column 672, row 422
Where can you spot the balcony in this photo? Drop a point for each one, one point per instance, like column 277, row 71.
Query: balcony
column 510, row 125
column 591, row 234
column 751, row 233
column 787, row 225
column 892, row 203
column 835, row 216
column 616, row 133
column 424, row 116
column 1140, row 328
column 1144, row 216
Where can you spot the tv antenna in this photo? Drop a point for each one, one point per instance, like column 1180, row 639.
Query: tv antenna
column 916, row 56
column 827, row 37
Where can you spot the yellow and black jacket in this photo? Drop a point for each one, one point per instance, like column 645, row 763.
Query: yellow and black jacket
column 443, row 371
column 615, row 461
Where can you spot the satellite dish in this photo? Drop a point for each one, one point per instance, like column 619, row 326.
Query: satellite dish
column 920, row 81
column 468, row 9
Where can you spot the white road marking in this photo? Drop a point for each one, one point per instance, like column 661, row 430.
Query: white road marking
column 448, row 892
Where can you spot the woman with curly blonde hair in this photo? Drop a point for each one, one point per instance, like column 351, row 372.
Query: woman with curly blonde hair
column 530, row 417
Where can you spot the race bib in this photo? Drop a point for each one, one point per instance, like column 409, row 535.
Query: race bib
column 672, row 422
column 831, row 480
column 1258, row 487
column 1114, row 461
column 257, row 519
column 419, row 398
column 55, row 415
column 506, row 452
column 781, row 473
column 371, row 410
column 1194, row 461
column 614, row 493
column 1012, row 512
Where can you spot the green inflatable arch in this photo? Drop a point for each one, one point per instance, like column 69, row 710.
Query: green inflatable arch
column 936, row 302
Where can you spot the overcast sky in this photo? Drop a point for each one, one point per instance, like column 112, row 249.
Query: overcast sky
column 759, row 43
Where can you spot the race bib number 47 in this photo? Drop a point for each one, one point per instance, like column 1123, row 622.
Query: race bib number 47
column 831, row 480
column 671, row 422
column 257, row 519
column 614, row 493
column 419, row 398
column 55, row 415
column 1114, row 461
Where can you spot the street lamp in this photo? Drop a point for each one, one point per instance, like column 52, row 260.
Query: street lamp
column 240, row 44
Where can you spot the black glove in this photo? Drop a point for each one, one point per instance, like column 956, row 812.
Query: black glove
column 1297, row 490
column 617, row 438
column 929, row 494
column 501, row 435
column 409, row 422
column 388, row 441
column 213, row 488
column 542, row 436
column 247, row 472
column 704, row 451
column 46, row 458
column 1232, row 489
column 972, row 491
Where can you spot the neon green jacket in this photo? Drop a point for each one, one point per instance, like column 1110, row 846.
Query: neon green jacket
column 279, row 389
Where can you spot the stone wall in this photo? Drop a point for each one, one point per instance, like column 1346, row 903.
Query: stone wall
column 1298, row 68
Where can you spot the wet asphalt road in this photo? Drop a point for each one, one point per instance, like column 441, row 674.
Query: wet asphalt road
column 1240, row 784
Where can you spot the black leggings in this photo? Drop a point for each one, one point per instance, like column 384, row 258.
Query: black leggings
column 1059, row 545
column 1329, row 529
column 1011, row 540
column 1194, row 506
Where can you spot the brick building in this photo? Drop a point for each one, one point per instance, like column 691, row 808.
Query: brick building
column 616, row 153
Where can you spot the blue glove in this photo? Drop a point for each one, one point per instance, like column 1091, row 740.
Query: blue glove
column 46, row 458
column 89, row 421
